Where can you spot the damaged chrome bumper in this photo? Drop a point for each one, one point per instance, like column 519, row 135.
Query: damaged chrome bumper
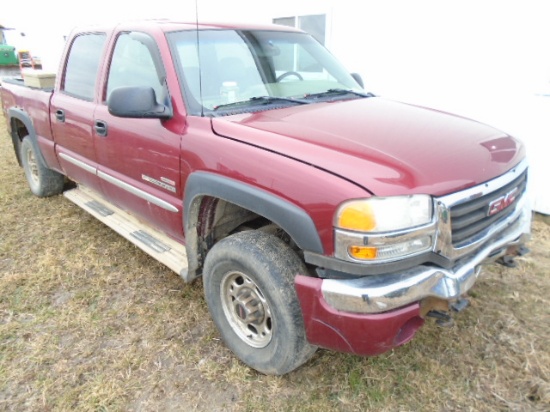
column 382, row 293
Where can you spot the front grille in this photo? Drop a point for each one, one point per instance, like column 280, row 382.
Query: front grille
column 470, row 219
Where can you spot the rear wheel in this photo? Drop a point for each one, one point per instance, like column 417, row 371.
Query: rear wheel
column 249, row 289
column 43, row 182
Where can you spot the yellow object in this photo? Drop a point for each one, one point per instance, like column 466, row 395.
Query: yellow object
column 363, row 252
column 357, row 216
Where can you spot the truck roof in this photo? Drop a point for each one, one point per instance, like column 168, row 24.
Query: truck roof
column 169, row 25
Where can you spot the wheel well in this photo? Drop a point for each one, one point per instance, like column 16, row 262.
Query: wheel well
column 216, row 219
column 18, row 129
column 18, row 132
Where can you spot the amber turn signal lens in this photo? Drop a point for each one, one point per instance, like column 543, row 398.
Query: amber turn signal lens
column 363, row 252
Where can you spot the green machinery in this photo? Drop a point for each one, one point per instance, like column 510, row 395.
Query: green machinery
column 8, row 54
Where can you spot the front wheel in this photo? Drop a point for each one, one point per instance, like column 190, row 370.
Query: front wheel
column 43, row 182
column 249, row 289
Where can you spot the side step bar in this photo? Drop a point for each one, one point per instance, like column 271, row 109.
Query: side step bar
column 164, row 249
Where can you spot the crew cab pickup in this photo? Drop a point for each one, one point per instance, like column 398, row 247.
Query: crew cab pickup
column 316, row 213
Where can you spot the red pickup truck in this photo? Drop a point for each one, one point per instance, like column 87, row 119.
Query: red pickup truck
column 317, row 214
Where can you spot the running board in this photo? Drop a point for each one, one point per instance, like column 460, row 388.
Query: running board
column 163, row 248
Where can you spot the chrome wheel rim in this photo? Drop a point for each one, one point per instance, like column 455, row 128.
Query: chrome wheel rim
column 33, row 166
column 246, row 309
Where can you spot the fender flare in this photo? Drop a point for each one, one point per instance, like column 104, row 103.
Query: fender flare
column 23, row 117
column 293, row 219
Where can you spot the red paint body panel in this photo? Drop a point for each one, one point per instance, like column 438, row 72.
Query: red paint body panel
column 133, row 151
column 353, row 333
column 36, row 103
column 296, row 182
column 387, row 147
column 74, row 137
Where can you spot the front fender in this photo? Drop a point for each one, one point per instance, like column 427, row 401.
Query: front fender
column 291, row 218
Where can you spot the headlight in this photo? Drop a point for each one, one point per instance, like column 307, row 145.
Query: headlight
column 384, row 214
column 384, row 229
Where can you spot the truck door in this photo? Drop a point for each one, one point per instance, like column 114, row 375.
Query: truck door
column 139, row 159
column 72, row 109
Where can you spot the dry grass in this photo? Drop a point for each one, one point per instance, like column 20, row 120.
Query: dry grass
column 89, row 322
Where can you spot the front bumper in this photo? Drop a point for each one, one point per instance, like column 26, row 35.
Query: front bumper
column 381, row 293
column 361, row 334
column 373, row 314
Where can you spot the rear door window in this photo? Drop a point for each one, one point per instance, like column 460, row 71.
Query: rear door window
column 83, row 65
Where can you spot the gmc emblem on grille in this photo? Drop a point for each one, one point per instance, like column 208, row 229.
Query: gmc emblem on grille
column 502, row 202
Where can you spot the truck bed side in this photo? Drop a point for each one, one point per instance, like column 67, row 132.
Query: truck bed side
column 27, row 111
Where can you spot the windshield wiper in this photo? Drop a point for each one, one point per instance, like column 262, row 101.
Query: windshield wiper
column 338, row 92
column 261, row 100
column 274, row 99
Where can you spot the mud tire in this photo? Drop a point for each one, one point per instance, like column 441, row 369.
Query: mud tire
column 42, row 181
column 256, row 267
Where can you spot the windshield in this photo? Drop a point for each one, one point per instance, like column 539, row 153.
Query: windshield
column 238, row 67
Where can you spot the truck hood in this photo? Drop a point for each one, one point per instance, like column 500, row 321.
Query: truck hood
column 387, row 147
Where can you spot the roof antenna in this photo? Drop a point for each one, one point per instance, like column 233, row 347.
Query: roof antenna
column 199, row 55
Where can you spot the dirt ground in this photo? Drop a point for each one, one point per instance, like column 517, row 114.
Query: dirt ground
column 88, row 322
